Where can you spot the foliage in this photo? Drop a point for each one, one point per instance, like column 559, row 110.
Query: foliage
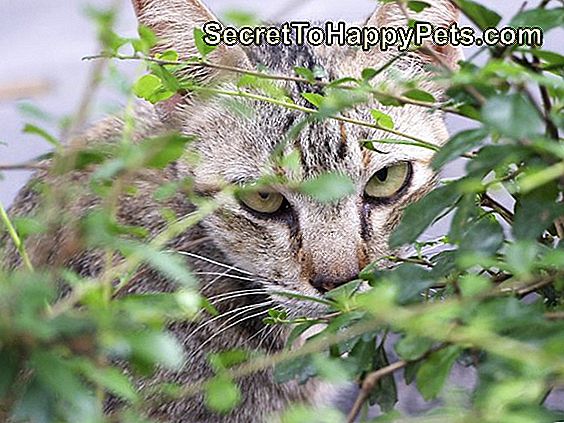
column 487, row 294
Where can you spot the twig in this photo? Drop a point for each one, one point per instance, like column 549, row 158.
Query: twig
column 275, row 77
column 496, row 206
column 368, row 385
column 23, row 166
column 292, row 106
column 18, row 243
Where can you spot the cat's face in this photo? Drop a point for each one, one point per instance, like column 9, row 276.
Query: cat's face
column 291, row 241
column 287, row 238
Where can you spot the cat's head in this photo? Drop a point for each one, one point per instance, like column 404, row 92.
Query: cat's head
column 286, row 237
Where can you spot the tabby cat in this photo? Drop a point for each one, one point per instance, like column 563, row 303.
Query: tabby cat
column 274, row 239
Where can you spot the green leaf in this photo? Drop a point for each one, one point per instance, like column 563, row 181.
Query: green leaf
column 546, row 19
column 536, row 211
column 151, row 88
column 483, row 238
column 459, row 144
column 368, row 74
column 304, row 73
column 114, row 380
column 203, row 48
column 151, row 349
column 410, row 281
column 434, row 372
column 382, row 119
column 480, row 15
column 386, row 392
column 240, row 18
column 57, row 375
column 417, row 6
column 37, row 405
column 35, row 130
column 222, row 395
column 159, row 152
column 168, row 56
column 413, row 347
column 328, row 188
column 314, row 98
column 301, row 369
column 420, row 215
column 9, row 369
column 147, row 40
column 420, row 95
column 513, row 116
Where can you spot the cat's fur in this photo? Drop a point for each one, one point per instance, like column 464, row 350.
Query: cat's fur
column 318, row 241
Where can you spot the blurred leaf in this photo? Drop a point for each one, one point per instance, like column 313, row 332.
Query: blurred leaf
column 412, row 347
column 203, row 48
column 481, row 15
column 382, row 119
column 459, row 144
column 546, row 19
column 535, row 212
column 35, row 130
column 301, row 369
column 241, row 18
column 434, row 372
column 417, row 6
column 328, row 188
column 313, row 98
column 305, row 73
column 386, row 392
column 420, row 95
column 420, row 215
column 513, row 116
column 222, row 395
column 484, row 237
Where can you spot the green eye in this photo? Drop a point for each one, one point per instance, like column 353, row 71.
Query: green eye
column 262, row 202
column 389, row 181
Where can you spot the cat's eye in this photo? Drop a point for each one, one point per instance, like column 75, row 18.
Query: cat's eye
column 389, row 181
column 262, row 201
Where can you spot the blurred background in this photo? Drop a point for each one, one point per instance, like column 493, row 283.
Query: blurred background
column 43, row 79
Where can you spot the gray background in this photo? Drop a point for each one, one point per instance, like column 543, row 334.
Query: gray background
column 43, row 42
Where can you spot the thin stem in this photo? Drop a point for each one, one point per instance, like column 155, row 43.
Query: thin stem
column 206, row 64
column 368, row 385
column 15, row 237
column 292, row 106
column 23, row 166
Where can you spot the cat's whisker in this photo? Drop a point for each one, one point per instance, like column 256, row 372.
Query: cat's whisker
column 235, row 313
column 214, row 262
column 243, row 294
column 222, row 330
column 216, row 299
column 226, row 274
column 241, row 291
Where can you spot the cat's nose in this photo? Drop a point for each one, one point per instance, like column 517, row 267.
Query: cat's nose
column 324, row 283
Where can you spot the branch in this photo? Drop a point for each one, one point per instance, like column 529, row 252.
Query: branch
column 275, row 77
column 23, row 166
column 497, row 207
column 368, row 385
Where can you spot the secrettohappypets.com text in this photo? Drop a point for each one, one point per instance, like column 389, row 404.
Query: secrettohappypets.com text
column 366, row 37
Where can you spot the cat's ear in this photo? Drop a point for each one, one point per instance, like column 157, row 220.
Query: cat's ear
column 174, row 21
column 440, row 13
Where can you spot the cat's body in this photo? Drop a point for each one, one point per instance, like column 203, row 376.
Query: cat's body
column 308, row 248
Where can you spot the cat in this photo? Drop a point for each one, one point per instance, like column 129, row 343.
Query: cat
column 266, row 241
